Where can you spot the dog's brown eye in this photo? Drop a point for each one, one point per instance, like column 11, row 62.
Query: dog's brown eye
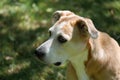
column 61, row 39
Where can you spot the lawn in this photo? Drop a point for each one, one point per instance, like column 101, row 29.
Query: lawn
column 24, row 24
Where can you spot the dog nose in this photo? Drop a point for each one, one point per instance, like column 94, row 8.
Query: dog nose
column 39, row 53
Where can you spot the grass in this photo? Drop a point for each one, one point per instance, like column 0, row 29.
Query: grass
column 24, row 24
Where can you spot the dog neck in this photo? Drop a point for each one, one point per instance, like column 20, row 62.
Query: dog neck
column 78, row 64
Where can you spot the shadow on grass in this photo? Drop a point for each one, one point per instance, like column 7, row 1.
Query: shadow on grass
column 16, row 47
column 17, row 59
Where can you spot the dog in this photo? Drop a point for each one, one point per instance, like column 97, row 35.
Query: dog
column 90, row 53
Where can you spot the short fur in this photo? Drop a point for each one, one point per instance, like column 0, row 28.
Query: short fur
column 91, row 54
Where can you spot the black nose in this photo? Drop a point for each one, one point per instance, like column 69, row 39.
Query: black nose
column 39, row 53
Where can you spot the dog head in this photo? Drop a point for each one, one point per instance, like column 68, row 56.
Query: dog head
column 68, row 37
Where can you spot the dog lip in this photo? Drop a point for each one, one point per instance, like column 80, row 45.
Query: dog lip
column 57, row 63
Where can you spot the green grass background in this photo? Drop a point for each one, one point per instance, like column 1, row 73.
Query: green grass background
column 24, row 24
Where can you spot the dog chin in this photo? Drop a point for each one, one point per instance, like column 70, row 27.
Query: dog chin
column 49, row 63
column 57, row 63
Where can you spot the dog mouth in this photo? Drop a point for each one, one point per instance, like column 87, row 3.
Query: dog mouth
column 57, row 63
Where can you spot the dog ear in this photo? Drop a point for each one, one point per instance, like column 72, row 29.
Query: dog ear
column 87, row 25
column 58, row 14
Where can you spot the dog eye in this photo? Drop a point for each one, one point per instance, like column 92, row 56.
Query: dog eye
column 61, row 39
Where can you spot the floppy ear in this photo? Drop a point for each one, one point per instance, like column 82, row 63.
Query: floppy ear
column 86, row 24
column 58, row 14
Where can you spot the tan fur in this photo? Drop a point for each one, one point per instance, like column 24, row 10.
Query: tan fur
column 66, row 30
column 91, row 54
column 107, row 67
column 103, row 57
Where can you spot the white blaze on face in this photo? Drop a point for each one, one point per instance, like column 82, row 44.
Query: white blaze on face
column 55, row 51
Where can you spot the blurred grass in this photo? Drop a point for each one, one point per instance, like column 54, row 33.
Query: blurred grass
column 24, row 24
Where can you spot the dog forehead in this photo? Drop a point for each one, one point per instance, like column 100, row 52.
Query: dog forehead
column 64, row 24
column 57, row 28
